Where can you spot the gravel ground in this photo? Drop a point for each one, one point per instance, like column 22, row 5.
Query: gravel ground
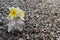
column 42, row 20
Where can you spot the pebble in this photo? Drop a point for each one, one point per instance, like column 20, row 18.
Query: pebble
column 0, row 14
column 0, row 21
column 20, row 39
column 58, row 38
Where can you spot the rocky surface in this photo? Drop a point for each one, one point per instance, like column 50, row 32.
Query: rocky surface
column 42, row 20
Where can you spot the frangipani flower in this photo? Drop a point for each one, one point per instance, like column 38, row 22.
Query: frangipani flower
column 15, row 17
column 16, row 12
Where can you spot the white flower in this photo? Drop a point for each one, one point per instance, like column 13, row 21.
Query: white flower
column 16, row 12
column 15, row 17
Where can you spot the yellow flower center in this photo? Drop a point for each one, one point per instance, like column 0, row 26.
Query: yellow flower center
column 12, row 13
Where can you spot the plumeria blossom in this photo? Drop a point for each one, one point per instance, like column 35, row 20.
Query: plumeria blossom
column 16, row 12
column 15, row 17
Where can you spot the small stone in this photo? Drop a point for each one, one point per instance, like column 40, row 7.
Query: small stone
column 0, row 14
column 36, row 39
column 58, row 19
column 36, row 35
column 36, row 29
column 20, row 39
column 28, row 37
column 1, row 27
column 58, row 38
column 0, row 20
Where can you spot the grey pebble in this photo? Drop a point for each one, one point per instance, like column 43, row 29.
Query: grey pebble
column 20, row 39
